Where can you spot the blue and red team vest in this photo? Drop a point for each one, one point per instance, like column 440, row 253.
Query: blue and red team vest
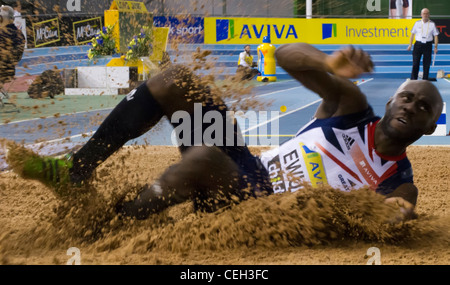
column 337, row 151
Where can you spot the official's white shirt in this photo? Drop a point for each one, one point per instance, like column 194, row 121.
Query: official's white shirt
column 424, row 32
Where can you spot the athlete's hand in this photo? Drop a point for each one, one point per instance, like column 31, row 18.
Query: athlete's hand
column 406, row 209
column 349, row 62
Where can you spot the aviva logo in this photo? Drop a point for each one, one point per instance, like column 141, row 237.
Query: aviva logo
column 224, row 29
column 314, row 165
column 328, row 31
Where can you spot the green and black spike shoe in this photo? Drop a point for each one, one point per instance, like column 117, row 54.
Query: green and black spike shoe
column 53, row 172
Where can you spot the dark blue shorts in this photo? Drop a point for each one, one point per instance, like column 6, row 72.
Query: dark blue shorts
column 253, row 176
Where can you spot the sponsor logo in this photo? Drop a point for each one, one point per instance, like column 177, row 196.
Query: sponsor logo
column 46, row 32
column 294, row 170
column 344, row 184
column 348, row 141
column 366, row 171
column 444, row 30
column 376, row 32
column 130, row 96
column 224, row 29
column 329, row 31
column 258, row 31
column 187, row 29
column 314, row 166
column 276, row 175
column 85, row 30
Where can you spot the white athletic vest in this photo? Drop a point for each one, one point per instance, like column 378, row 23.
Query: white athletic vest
column 339, row 152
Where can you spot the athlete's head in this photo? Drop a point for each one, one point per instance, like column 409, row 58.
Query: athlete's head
column 412, row 112
column 247, row 48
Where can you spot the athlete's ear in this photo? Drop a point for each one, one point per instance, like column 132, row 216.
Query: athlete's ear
column 389, row 103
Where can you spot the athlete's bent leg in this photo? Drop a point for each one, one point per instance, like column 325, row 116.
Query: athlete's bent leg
column 206, row 175
column 131, row 118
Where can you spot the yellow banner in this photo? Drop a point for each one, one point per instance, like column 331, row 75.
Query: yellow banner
column 128, row 6
column 359, row 31
column 313, row 31
column 253, row 30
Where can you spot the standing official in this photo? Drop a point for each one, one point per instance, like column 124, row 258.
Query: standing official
column 424, row 31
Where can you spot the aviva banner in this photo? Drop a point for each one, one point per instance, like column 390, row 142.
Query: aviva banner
column 313, row 31
column 252, row 30
column 359, row 31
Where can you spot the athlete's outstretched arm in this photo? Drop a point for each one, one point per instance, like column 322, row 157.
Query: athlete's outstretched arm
column 328, row 75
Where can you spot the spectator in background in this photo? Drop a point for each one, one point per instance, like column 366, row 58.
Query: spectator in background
column 424, row 31
column 246, row 64
column 405, row 7
column 12, row 44
column 19, row 21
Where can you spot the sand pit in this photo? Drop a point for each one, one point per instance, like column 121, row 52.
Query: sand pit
column 311, row 227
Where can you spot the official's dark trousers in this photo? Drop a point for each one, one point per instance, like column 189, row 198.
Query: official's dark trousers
column 419, row 50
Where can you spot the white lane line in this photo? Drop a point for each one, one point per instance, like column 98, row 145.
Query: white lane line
column 62, row 139
column 281, row 116
column 265, row 94
column 293, row 111
column 63, row 115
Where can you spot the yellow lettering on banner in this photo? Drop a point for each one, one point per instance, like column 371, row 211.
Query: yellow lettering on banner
column 313, row 31
column 314, row 165
column 48, row 33
column 86, row 31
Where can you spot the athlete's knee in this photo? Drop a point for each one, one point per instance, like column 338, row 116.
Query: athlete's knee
column 209, row 159
column 175, row 75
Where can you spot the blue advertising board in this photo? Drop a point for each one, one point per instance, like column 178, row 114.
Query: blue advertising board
column 184, row 29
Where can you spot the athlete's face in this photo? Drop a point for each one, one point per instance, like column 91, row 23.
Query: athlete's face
column 413, row 111
column 247, row 49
